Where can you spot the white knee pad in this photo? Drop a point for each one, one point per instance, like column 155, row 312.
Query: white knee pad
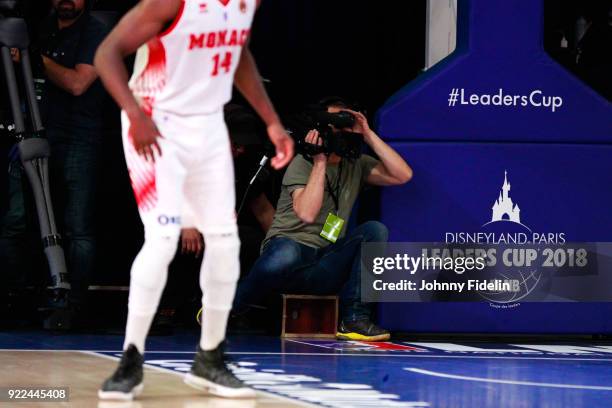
column 150, row 271
column 220, row 270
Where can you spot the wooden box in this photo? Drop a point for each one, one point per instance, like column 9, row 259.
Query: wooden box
column 310, row 316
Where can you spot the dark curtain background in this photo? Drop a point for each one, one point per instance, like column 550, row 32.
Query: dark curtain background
column 363, row 50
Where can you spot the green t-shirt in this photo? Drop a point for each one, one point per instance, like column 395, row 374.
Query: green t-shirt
column 286, row 222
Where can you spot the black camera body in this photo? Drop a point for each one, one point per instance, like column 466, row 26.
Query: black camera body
column 343, row 143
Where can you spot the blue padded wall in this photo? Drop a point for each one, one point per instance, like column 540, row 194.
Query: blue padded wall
column 559, row 163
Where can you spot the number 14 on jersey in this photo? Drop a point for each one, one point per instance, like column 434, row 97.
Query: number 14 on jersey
column 222, row 62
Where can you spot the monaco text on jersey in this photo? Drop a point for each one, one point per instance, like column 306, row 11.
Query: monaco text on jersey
column 224, row 38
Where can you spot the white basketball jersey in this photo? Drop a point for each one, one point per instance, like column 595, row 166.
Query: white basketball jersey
column 189, row 69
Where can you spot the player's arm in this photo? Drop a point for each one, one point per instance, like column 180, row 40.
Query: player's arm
column 249, row 83
column 138, row 26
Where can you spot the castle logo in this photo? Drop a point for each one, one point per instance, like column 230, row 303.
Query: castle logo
column 505, row 227
column 504, row 208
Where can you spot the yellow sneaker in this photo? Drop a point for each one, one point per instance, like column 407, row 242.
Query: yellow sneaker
column 362, row 330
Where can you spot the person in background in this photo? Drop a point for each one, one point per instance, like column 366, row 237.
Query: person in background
column 300, row 254
column 72, row 107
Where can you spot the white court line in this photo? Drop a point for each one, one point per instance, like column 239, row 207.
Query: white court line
column 511, row 382
column 256, row 353
column 310, row 344
column 167, row 370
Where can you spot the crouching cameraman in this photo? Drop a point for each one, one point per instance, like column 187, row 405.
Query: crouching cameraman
column 307, row 249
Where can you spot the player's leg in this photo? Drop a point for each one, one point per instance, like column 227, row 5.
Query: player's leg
column 209, row 191
column 158, row 191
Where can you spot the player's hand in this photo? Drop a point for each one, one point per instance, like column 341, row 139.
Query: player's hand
column 283, row 143
column 191, row 242
column 144, row 136
column 314, row 138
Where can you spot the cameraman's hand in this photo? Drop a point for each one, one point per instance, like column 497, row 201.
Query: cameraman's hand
column 361, row 123
column 283, row 144
column 313, row 138
column 144, row 136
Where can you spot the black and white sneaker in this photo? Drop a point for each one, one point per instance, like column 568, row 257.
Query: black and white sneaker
column 126, row 382
column 362, row 330
column 209, row 373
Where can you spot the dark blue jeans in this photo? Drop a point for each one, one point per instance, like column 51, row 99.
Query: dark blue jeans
column 287, row 266
column 74, row 175
column 14, row 231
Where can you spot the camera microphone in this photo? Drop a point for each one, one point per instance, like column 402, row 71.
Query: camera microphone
column 262, row 163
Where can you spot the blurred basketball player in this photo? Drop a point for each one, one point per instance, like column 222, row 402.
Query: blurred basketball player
column 190, row 53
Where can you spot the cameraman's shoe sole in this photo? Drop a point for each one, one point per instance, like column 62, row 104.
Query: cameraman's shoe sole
column 120, row 396
column 217, row 390
column 361, row 337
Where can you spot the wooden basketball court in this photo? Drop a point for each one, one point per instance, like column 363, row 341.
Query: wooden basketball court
column 83, row 372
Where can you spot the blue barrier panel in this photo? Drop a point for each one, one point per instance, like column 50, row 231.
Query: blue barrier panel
column 558, row 160
column 558, row 188
column 562, row 193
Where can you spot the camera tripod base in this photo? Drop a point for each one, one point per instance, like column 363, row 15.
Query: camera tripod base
column 58, row 313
